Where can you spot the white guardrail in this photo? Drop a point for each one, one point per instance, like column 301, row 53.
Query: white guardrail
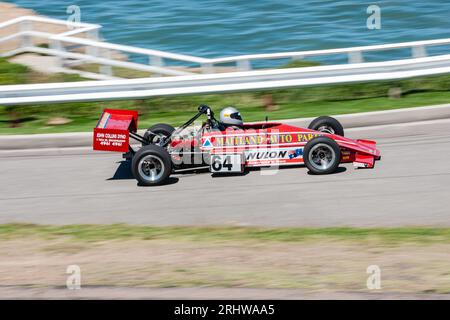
column 225, row 82
column 187, row 82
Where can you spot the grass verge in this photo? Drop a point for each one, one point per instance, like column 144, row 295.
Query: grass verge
column 133, row 232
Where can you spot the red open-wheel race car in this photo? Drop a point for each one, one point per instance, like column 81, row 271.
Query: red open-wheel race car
column 229, row 148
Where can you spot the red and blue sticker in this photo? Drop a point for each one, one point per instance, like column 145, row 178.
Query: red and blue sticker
column 295, row 153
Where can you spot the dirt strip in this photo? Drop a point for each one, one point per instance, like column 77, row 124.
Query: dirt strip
column 324, row 268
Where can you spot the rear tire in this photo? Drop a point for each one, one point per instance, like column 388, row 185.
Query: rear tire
column 151, row 165
column 322, row 155
column 154, row 133
column 327, row 125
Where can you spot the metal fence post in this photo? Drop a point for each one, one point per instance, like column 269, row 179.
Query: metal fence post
column 244, row 65
column 156, row 61
column 207, row 67
column 91, row 51
column 93, row 34
column 355, row 57
column 419, row 51
column 105, row 69
column 57, row 46
column 26, row 40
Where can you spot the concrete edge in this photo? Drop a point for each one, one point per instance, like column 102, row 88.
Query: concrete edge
column 354, row 120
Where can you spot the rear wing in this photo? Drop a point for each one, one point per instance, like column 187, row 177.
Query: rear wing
column 112, row 132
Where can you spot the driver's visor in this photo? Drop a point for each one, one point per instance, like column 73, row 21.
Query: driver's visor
column 236, row 116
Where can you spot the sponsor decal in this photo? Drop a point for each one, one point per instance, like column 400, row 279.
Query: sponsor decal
column 295, row 153
column 111, row 140
column 265, row 155
column 346, row 155
column 273, row 155
column 242, row 140
column 360, row 165
column 103, row 120
column 207, row 143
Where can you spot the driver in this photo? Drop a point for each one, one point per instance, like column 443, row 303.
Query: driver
column 230, row 118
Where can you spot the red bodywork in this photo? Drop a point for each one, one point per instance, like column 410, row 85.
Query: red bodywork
column 261, row 143
column 278, row 143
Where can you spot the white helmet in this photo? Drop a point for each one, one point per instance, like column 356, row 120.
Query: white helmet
column 231, row 116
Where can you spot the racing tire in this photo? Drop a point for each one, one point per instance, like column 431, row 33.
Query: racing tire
column 151, row 165
column 158, row 129
column 322, row 155
column 327, row 125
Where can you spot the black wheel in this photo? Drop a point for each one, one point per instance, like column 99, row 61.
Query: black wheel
column 151, row 165
column 322, row 155
column 327, row 125
column 154, row 134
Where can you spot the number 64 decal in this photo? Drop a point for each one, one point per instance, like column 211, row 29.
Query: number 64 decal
column 226, row 163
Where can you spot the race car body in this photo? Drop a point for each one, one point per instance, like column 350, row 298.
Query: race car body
column 282, row 144
column 229, row 149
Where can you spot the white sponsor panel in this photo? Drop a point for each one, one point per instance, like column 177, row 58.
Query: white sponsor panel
column 270, row 156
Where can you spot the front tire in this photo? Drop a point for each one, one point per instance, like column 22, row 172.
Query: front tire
column 151, row 165
column 322, row 155
column 327, row 125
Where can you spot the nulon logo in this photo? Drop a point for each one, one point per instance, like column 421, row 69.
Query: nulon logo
column 263, row 155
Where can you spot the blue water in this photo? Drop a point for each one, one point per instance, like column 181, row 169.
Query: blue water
column 216, row 28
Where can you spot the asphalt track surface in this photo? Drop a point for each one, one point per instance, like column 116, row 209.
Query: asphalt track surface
column 409, row 186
